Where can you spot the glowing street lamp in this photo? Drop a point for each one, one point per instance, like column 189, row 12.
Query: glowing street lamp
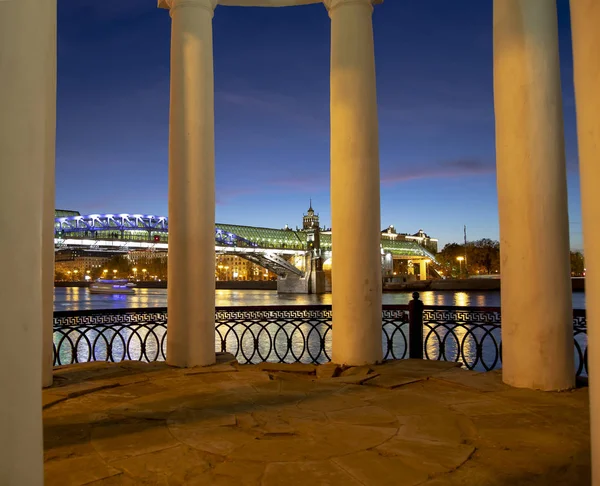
column 460, row 260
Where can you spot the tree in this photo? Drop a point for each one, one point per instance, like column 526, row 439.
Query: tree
column 482, row 257
column 448, row 259
column 121, row 264
column 577, row 264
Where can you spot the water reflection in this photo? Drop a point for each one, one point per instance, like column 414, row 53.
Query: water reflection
column 74, row 298
column 462, row 299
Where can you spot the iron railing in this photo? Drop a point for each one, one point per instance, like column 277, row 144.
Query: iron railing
column 291, row 334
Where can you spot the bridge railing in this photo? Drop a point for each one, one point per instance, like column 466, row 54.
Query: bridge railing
column 161, row 236
column 291, row 334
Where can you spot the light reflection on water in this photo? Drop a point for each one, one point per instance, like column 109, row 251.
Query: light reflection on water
column 74, row 298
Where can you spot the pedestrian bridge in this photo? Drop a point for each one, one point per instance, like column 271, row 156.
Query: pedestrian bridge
column 269, row 247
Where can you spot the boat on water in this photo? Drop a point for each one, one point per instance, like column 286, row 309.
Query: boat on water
column 105, row 286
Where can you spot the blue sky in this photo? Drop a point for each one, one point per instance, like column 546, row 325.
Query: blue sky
column 434, row 76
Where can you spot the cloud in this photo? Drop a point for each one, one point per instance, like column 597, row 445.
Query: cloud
column 450, row 168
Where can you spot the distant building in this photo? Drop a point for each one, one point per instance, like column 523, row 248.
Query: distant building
column 420, row 237
column 81, row 261
column 65, row 213
column 310, row 220
column 233, row 267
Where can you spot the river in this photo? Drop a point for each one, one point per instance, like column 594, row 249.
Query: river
column 75, row 298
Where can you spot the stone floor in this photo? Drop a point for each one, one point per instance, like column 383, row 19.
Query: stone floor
column 401, row 423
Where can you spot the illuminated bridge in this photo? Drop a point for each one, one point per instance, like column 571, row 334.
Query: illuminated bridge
column 268, row 247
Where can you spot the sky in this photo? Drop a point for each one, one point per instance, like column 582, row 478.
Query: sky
column 435, row 101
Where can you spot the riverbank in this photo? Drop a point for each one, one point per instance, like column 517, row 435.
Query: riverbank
column 219, row 285
column 464, row 285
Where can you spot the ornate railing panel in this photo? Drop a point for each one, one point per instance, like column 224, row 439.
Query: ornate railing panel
column 580, row 336
column 110, row 335
column 291, row 334
column 469, row 335
column 276, row 334
column 395, row 331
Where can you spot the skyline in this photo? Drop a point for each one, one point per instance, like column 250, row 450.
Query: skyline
column 434, row 68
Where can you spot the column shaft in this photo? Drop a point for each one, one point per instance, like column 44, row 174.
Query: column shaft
column 585, row 19
column 537, row 325
column 191, row 289
column 27, row 77
column 48, row 207
column 356, row 274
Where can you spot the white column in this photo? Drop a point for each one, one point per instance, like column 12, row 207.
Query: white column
column 48, row 207
column 356, row 275
column 585, row 22
column 537, row 323
column 191, row 287
column 27, row 79
column 423, row 270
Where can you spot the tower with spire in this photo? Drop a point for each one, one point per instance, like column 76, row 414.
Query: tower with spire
column 310, row 220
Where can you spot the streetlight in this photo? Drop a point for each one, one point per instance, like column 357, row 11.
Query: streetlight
column 134, row 269
column 460, row 260
column 144, row 272
column 75, row 272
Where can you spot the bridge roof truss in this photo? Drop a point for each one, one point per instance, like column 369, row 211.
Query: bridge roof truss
column 112, row 222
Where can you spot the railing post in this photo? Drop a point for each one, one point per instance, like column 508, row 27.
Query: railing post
column 415, row 327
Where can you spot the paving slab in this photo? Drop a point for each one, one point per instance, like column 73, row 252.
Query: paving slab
column 484, row 382
column 299, row 368
column 328, row 370
column 432, row 457
column 368, row 415
column 116, row 440
column 372, row 469
column 174, row 464
column 312, row 472
column 130, row 423
column 218, row 368
column 393, row 381
column 356, row 371
column 76, row 471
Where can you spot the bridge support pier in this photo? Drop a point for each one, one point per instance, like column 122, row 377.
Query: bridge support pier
column 191, row 290
column 585, row 18
column 356, row 273
column 423, row 270
column 532, row 198
column 27, row 137
column 313, row 281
